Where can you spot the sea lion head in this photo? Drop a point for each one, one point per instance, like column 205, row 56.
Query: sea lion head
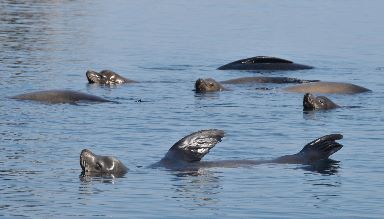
column 312, row 102
column 105, row 77
column 208, row 85
column 95, row 165
column 95, row 77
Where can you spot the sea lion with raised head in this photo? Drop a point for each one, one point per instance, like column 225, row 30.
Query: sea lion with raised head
column 106, row 77
column 96, row 165
column 188, row 151
column 211, row 85
column 265, row 63
column 327, row 88
column 59, row 96
column 312, row 102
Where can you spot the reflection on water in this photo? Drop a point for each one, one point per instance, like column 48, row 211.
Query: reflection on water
column 199, row 185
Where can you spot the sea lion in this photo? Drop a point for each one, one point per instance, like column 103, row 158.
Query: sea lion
column 312, row 102
column 211, row 85
column 264, row 63
column 107, row 77
column 60, row 96
column 95, row 165
column 327, row 88
column 188, row 151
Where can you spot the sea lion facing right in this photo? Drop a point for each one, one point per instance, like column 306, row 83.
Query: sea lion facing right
column 211, row 85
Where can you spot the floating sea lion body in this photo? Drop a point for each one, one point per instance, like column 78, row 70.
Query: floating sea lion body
column 211, row 85
column 327, row 88
column 188, row 151
column 264, row 63
column 60, row 96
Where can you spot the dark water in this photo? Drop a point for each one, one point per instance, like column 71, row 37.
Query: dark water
column 166, row 46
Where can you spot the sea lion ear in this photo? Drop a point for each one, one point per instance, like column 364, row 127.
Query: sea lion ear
column 193, row 147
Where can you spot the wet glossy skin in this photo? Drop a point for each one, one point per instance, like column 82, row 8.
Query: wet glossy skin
column 264, row 63
column 106, row 77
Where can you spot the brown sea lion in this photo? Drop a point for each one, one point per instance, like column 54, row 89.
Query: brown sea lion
column 211, row 85
column 312, row 102
column 60, row 96
column 327, row 88
column 106, row 77
column 264, row 63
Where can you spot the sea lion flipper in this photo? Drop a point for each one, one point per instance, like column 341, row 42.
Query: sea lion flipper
column 193, row 147
column 321, row 148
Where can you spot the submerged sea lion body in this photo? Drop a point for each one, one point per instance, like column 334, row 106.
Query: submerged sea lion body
column 107, row 77
column 188, row 151
column 264, row 63
column 312, row 102
column 327, row 88
column 211, row 85
column 59, row 96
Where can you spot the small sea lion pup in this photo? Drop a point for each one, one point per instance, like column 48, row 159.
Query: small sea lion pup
column 264, row 63
column 312, row 102
column 60, row 96
column 107, row 77
column 188, row 151
column 211, row 85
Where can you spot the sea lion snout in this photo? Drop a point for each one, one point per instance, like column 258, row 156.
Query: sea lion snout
column 308, row 101
column 93, row 76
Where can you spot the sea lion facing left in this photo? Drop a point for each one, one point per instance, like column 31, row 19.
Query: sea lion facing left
column 106, row 77
column 60, row 96
column 312, row 102
column 188, row 151
column 95, row 165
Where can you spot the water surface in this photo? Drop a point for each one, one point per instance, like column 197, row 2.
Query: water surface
column 166, row 46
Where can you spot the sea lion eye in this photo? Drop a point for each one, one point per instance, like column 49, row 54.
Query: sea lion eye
column 321, row 101
column 98, row 166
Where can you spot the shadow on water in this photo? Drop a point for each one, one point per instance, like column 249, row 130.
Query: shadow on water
column 324, row 167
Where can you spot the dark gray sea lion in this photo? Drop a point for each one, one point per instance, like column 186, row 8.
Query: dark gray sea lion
column 187, row 152
column 60, row 96
column 95, row 165
column 107, row 77
column 264, row 63
column 210, row 85
column 327, row 88
column 312, row 102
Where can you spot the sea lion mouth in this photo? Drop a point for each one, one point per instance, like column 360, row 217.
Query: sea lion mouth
column 93, row 77
column 308, row 102
column 200, row 85
column 86, row 155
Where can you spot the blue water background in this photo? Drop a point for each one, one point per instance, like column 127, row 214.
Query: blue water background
column 167, row 45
